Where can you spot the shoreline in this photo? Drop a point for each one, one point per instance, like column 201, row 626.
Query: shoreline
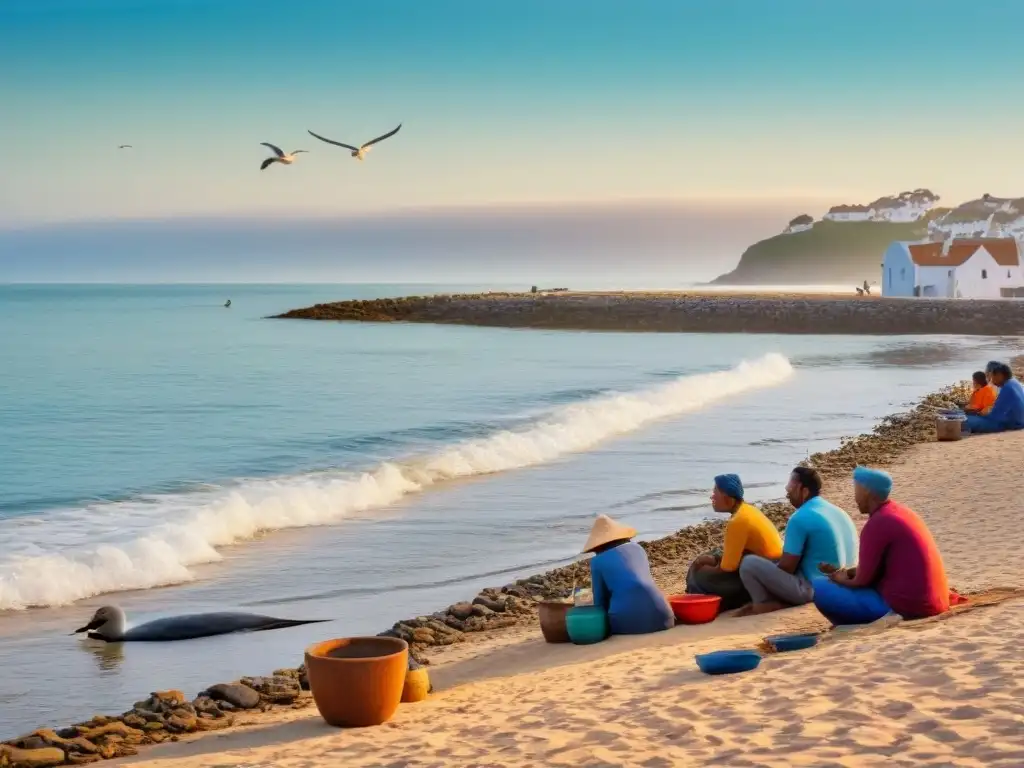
column 461, row 632
column 687, row 312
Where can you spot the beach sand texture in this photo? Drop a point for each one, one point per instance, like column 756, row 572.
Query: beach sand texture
column 941, row 692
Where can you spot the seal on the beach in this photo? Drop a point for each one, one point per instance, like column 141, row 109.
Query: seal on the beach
column 108, row 623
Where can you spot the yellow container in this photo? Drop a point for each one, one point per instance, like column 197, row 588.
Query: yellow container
column 417, row 685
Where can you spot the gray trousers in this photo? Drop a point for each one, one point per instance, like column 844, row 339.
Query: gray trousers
column 767, row 583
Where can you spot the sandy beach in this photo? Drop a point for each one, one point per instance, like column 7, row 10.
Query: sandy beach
column 939, row 692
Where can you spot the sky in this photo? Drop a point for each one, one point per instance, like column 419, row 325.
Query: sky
column 734, row 104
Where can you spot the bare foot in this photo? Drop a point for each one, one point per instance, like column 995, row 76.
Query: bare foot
column 746, row 610
column 760, row 608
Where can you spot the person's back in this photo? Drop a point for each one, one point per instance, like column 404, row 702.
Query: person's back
column 827, row 534
column 1008, row 409
column 750, row 530
column 897, row 546
column 636, row 605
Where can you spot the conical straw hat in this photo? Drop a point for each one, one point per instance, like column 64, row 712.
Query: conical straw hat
column 606, row 530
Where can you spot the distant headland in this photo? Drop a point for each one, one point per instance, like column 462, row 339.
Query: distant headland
column 847, row 243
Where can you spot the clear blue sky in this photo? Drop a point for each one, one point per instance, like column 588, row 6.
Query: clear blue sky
column 502, row 102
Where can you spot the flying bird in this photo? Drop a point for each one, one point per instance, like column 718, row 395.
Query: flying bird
column 280, row 157
column 358, row 152
column 124, row 146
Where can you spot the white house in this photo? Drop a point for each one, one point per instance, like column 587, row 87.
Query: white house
column 848, row 213
column 963, row 269
column 801, row 223
column 905, row 207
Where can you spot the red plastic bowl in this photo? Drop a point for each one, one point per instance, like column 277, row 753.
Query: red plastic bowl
column 695, row 609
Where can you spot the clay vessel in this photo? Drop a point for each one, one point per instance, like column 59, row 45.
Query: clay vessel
column 357, row 681
column 552, row 621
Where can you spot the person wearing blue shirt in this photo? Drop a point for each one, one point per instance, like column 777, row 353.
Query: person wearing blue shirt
column 817, row 532
column 1008, row 410
column 622, row 583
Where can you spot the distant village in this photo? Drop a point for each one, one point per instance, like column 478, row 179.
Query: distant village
column 972, row 251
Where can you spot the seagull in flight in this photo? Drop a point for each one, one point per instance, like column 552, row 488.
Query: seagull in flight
column 358, row 152
column 280, row 157
column 124, row 146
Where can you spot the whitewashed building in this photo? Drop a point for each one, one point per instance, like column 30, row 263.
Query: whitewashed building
column 848, row 213
column 982, row 268
column 801, row 223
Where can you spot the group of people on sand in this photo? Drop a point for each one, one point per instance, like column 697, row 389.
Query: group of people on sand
column 893, row 566
column 997, row 402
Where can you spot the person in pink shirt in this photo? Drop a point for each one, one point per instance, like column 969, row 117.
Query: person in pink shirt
column 899, row 569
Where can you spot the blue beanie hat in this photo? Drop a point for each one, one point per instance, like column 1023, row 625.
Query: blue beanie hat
column 875, row 480
column 730, row 485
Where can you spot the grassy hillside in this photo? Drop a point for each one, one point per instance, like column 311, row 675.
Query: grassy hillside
column 829, row 253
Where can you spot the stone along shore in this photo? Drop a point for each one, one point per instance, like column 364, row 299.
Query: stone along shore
column 169, row 715
column 681, row 312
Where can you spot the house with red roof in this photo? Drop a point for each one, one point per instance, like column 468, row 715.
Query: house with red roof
column 977, row 268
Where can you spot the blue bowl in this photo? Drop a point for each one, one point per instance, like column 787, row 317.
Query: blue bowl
column 784, row 643
column 728, row 662
column 586, row 624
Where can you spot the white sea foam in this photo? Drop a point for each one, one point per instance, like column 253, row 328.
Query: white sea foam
column 72, row 554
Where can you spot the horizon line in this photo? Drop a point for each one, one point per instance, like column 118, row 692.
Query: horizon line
column 420, row 211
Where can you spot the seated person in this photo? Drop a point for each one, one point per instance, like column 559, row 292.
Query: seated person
column 622, row 583
column 748, row 531
column 1007, row 412
column 818, row 532
column 983, row 397
column 899, row 569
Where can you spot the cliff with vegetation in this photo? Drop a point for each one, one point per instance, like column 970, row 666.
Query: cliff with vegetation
column 847, row 244
column 829, row 253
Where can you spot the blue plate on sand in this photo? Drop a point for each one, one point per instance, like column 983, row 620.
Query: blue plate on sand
column 728, row 662
column 784, row 643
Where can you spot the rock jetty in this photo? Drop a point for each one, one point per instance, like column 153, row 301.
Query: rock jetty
column 696, row 313
column 169, row 715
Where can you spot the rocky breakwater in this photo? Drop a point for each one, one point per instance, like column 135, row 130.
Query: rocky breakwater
column 696, row 313
column 164, row 716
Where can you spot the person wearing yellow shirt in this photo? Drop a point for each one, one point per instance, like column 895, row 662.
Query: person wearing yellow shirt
column 747, row 532
column 983, row 397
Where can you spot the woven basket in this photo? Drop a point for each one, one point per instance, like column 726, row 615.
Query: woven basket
column 948, row 429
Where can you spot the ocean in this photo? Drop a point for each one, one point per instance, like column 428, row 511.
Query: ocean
column 169, row 455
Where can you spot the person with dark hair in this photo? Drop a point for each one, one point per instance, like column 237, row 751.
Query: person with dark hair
column 984, row 395
column 1007, row 412
column 818, row 532
column 747, row 533
column 900, row 569
column 622, row 583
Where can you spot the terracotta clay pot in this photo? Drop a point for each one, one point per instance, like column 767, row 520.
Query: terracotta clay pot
column 552, row 621
column 357, row 681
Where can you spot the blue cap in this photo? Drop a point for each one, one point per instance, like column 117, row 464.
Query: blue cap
column 875, row 480
column 730, row 485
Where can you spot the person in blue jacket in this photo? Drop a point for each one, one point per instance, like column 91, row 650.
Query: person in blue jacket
column 1008, row 410
column 622, row 583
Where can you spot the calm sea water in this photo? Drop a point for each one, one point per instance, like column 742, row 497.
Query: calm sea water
column 169, row 455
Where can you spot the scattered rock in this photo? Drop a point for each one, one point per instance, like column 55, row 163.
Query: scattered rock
column 276, row 689
column 42, row 757
column 461, row 611
column 235, row 694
